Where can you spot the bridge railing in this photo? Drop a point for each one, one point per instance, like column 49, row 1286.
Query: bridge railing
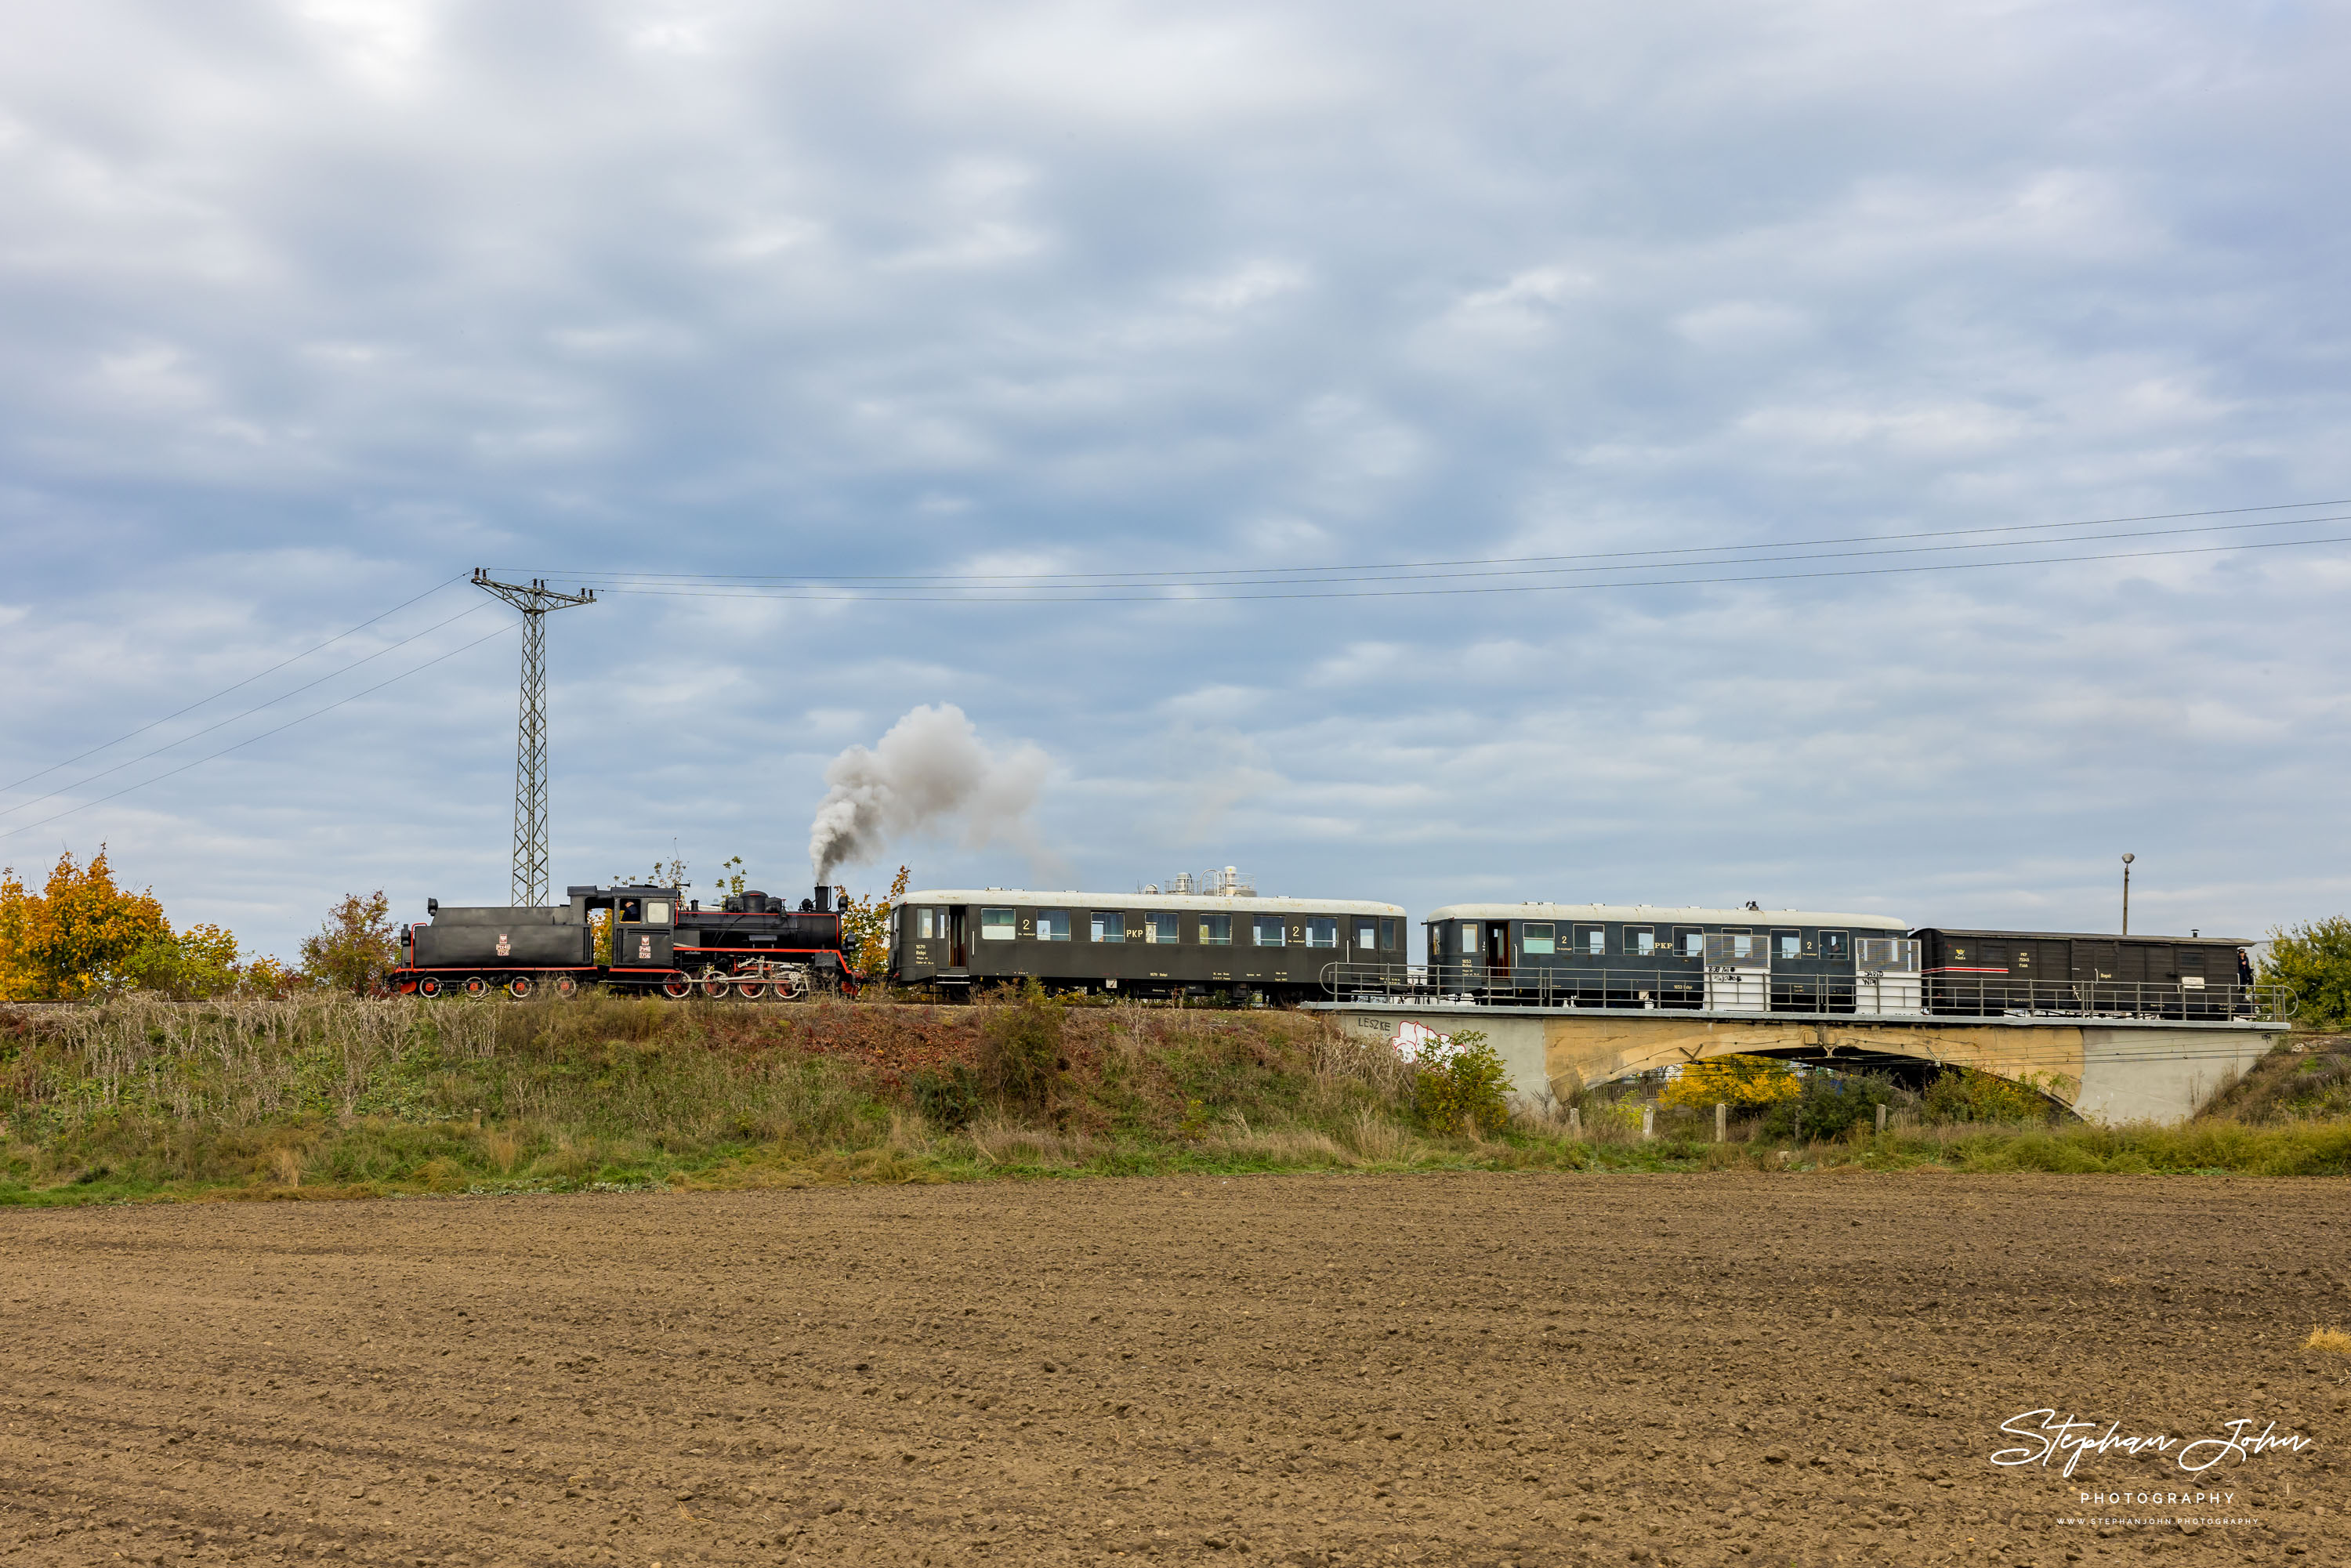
column 1893, row 993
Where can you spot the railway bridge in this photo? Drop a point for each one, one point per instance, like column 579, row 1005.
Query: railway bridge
column 2104, row 1068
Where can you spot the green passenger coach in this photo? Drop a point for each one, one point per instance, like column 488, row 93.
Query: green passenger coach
column 1137, row 944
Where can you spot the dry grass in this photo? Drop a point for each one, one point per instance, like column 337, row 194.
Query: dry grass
column 998, row 1142
column 1287, row 1146
column 1380, row 1142
column 2333, row 1342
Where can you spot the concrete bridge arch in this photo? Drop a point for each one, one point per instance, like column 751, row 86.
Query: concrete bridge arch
column 2106, row 1070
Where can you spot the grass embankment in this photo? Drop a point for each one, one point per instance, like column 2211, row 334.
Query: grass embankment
column 333, row 1097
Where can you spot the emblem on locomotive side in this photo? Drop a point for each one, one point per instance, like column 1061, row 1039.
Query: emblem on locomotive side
column 505, row 947
column 645, row 948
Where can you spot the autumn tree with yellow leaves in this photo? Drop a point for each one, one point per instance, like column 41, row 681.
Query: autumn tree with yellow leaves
column 865, row 927
column 85, row 936
column 1732, row 1081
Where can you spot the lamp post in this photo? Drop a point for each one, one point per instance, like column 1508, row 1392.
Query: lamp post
column 2126, row 865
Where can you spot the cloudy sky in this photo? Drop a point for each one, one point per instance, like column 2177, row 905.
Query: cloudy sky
column 309, row 309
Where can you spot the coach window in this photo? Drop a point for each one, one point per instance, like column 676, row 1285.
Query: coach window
column 1322, row 931
column 1833, row 945
column 1367, row 932
column 1591, row 941
column 1052, row 925
column 1390, row 935
column 1469, row 948
column 1689, row 941
column 1641, row 941
column 1788, row 944
column 923, row 932
column 1542, row 937
column 997, row 925
column 1216, row 930
column 1270, row 930
column 1163, row 928
column 1108, row 925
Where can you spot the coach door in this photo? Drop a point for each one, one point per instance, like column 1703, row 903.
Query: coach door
column 1497, row 949
column 2094, row 975
column 954, row 935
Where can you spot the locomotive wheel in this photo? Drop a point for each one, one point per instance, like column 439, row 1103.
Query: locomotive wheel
column 519, row 987
column 677, row 988
column 566, row 985
column 475, row 986
column 750, row 990
column 789, row 988
column 714, row 986
column 430, row 986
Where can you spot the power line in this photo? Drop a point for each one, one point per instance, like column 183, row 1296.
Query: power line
column 273, row 702
column 1235, row 581
column 224, row 691
column 1165, row 595
column 265, row 735
column 1098, row 579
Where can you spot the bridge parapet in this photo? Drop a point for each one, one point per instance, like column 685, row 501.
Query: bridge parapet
column 2106, row 1069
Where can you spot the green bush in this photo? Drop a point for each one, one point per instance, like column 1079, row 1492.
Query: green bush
column 1021, row 1047
column 1830, row 1105
column 948, row 1097
column 2312, row 962
column 1963, row 1094
column 1469, row 1088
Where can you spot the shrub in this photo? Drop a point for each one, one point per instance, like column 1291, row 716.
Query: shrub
column 1464, row 1086
column 356, row 945
column 1828, row 1105
column 1963, row 1094
column 1021, row 1047
column 947, row 1097
column 1732, row 1080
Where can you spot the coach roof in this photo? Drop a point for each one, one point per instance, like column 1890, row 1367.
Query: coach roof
column 1207, row 904
column 1650, row 914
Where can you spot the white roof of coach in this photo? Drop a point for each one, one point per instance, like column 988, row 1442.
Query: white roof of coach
column 1207, row 903
column 1641, row 914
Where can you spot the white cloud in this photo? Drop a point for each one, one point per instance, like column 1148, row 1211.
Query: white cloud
column 307, row 313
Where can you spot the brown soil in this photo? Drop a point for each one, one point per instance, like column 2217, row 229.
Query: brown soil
column 1444, row 1369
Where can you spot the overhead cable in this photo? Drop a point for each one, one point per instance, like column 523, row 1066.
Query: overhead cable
column 1181, row 593
column 248, row 713
column 265, row 735
column 248, row 680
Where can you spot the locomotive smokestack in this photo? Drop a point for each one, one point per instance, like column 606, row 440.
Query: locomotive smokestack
column 823, row 899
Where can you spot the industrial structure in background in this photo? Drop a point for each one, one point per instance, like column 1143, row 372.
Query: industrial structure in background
column 534, row 600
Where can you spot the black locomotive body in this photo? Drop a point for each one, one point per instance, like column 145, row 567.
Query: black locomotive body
column 1144, row 944
column 751, row 945
column 1989, row 973
column 1643, row 955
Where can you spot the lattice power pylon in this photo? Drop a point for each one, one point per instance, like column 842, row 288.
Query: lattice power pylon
column 530, row 743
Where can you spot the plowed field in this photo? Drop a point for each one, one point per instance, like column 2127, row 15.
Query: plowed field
column 1450, row 1369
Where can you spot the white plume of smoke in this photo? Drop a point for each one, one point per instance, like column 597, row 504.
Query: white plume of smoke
column 930, row 772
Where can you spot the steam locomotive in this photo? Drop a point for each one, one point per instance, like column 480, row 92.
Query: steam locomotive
column 752, row 945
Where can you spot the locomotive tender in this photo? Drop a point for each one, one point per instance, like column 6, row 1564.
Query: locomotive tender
column 752, row 945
